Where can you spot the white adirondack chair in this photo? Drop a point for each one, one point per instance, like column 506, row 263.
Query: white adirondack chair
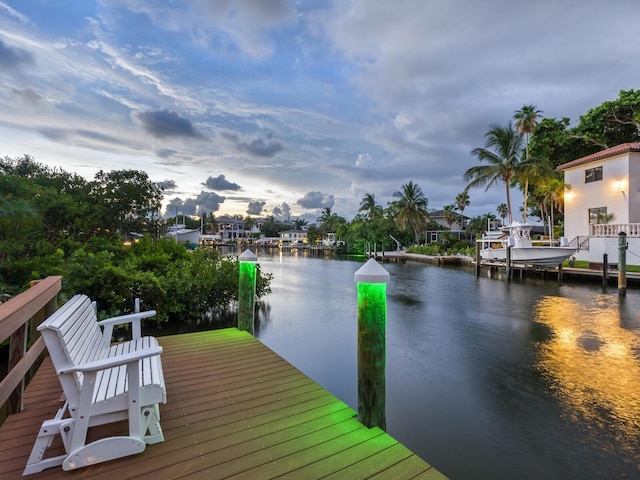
column 102, row 383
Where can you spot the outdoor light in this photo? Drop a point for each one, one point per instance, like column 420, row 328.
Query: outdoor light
column 372, row 318
column 246, row 290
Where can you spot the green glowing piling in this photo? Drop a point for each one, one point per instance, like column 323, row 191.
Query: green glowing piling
column 372, row 318
column 247, row 291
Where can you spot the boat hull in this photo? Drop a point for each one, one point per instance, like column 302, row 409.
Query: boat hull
column 538, row 256
column 185, row 236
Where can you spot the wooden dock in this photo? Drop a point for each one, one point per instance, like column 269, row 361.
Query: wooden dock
column 235, row 410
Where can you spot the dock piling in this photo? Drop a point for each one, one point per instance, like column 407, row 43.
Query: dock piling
column 559, row 274
column 372, row 317
column 622, row 264
column 247, row 290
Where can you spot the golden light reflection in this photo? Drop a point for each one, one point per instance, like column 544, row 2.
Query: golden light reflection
column 592, row 365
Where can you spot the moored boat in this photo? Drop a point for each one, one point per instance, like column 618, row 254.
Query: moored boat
column 181, row 234
column 542, row 253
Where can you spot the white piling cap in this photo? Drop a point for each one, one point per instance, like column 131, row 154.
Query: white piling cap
column 371, row 272
column 248, row 256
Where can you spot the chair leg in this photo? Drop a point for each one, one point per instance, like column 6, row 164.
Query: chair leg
column 46, row 434
column 151, row 419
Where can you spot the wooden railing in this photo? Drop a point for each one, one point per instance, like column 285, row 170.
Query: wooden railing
column 19, row 318
column 613, row 229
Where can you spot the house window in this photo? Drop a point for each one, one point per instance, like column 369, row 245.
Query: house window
column 593, row 174
column 598, row 215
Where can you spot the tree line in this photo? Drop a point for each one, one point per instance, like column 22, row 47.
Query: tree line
column 57, row 223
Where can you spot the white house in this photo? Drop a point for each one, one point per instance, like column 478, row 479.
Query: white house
column 293, row 237
column 231, row 229
column 602, row 201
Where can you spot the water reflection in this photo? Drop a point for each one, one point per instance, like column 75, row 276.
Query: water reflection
column 591, row 364
column 485, row 378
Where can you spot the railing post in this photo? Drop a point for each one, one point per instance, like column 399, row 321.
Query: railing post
column 622, row 263
column 372, row 317
column 17, row 350
column 247, row 291
column 27, row 308
column 22, row 337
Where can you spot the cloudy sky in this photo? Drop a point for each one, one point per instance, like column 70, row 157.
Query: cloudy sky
column 286, row 107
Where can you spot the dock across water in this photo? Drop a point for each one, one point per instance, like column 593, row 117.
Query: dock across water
column 235, row 410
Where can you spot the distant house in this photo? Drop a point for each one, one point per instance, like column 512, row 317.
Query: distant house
column 257, row 226
column 602, row 201
column 293, row 237
column 455, row 228
column 230, row 229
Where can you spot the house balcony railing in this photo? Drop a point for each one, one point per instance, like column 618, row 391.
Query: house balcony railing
column 613, row 229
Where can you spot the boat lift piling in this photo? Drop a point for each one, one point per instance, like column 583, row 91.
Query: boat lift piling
column 605, row 269
column 559, row 274
column 622, row 264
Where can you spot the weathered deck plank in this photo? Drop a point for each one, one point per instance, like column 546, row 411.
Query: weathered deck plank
column 236, row 410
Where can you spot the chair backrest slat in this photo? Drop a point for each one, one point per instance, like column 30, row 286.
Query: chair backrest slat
column 73, row 337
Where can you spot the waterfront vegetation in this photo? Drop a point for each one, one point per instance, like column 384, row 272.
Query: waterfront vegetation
column 448, row 245
column 56, row 223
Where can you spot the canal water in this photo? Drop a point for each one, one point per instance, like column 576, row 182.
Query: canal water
column 485, row 379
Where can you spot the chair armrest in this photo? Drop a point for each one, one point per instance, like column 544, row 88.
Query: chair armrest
column 115, row 361
column 132, row 318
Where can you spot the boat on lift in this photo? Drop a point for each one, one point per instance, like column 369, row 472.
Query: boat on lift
column 517, row 236
column 181, row 234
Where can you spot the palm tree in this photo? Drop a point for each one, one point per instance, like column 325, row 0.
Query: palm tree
column 526, row 120
column 555, row 196
column 502, row 153
column 248, row 223
column 449, row 214
column 462, row 202
column 549, row 195
column 299, row 223
column 329, row 221
column 213, row 222
column 479, row 224
column 411, row 209
column 327, row 216
column 531, row 171
column 369, row 208
column 502, row 211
